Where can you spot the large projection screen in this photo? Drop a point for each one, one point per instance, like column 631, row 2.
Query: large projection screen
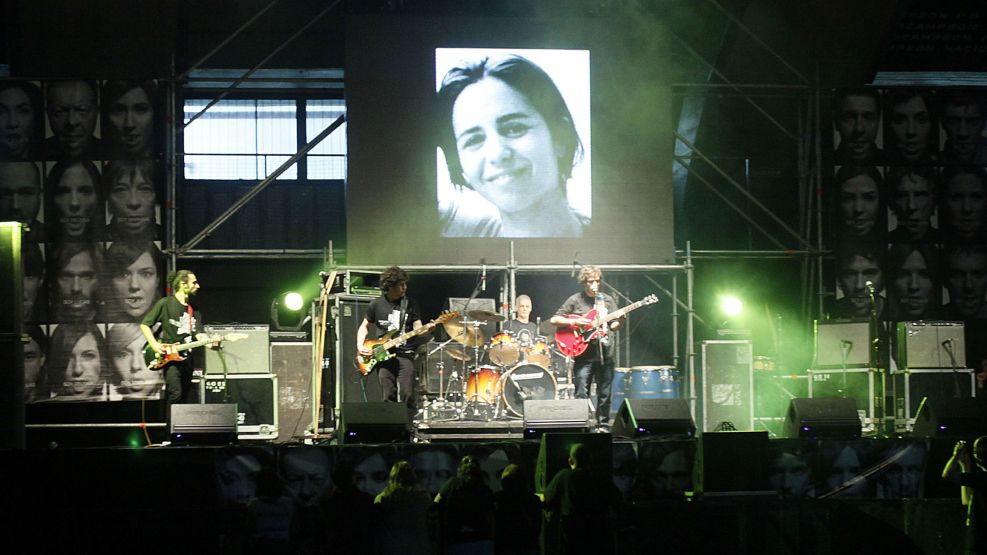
column 465, row 134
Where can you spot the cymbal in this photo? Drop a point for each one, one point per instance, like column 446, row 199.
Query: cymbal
column 469, row 336
column 486, row 316
column 457, row 352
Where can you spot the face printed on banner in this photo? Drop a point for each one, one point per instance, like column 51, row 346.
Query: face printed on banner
column 964, row 125
column 433, row 467
column 966, row 200
column 137, row 287
column 17, row 121
column 237, row 475
column 128, row 360
column 966, row 278
column 911, row 123
column 370, row 475
column 914, row 287
column 845, row 468
column 306, row 474
column 790, row 475
column 903, row 476
column 505, row 146
column 77, row 283
column 82, row 376
column 75, row 200
column 132, row 118
column 20, row 191
column 72, row 115
column 131, row 201
column 34, row 360
column 857, row 123
column 914, row 204
column 860, row 201
column 853, row 281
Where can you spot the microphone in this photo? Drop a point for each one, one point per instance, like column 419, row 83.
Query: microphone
column 520, row 388
column 575, row 257
column 846, row 344
column 870, row 286
column 948, row 344
column 483, row 274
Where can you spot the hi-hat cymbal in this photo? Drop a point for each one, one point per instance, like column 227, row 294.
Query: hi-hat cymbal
column 469, row 336
column 457, row 352
column 486, row 316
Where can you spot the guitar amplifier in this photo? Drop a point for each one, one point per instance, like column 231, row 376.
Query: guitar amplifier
column 842, row 342
column 256, row 400
column 246, row 356
column 930, row 344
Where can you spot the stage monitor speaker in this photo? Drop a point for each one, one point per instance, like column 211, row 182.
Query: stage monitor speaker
column 553, row 454
column 732, row 462
column 198, row 424
column 951, row 417
column 291, row 362
column 353, row 387
column 822, row 417
column 929, row 344
column 377, row 422
column 834, row 338
column 245, row 356
column 556, row 415
column 256, row 400
column 654, row 417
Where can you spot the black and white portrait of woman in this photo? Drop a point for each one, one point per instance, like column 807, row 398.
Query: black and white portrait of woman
column 514, row 134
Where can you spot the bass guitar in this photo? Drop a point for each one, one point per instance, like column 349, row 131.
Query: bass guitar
column 381, row 348
column 573, row 340
column 173, row 351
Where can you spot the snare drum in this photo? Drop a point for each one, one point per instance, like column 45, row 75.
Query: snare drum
column 527, row 382
column 484, row 384
column 504, row 349
column 539, row 352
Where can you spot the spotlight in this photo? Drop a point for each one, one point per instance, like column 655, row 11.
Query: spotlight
column 293, row 301
column 731, row 306
column 288, row 317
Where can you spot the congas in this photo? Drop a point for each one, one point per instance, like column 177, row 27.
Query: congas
column 484, row 384
column 539, row 352
column 653, row 382
column 527, row 382
column 504, row 349
column 618, row 389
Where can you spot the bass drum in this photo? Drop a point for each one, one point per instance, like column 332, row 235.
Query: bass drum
column 527, row 382
column 483, row 385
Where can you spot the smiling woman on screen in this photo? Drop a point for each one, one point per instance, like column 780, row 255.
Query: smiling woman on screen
column 510, row 146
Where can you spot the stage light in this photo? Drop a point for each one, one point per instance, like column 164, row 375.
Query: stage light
column 731, row 306
column 293, row 301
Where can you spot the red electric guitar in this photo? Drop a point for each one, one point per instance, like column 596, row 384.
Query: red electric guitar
column 572, row 341
column 382, row 347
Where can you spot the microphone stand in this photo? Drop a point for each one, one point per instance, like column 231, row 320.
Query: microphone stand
column 875, row 362
column 845, row 347
column 948, row 345
column 476, row 393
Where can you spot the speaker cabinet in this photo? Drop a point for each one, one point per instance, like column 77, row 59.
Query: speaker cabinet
column 951, row 417
column 838, row 339
column 542, row 416
column 291, row 362
column 728, row 385
column 654, row 417
column 930, row 344
column 732, row 462
column 376, row 422
column 198, row 424
column 351, row 387
column 246, row 356
column 553, row 454
column 822, row 417
column 913, row 385
column 255, row 397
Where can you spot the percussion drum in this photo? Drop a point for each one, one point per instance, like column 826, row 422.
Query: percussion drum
column 527, row 382
column 653, row 382
column 539, row 352
column 621, row 378
column 484, row 384
column 504, row 349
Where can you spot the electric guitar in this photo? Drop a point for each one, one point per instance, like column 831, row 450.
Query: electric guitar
column 573, row 340
column 382, row 347
column 173, row 351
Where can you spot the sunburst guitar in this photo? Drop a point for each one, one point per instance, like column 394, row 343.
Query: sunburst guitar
column 173, row 351
column 382, row 348
column 572, row 341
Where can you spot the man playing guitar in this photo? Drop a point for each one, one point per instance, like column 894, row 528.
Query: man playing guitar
column 596, row 362
column 393, row 311
column 179, row 322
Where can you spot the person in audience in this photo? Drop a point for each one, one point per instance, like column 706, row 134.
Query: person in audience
column 968, row 468
column 347, row 512
column 517, row 514
column 272, row 522
column 466, row 510
column 584, row 500
column 402, row 514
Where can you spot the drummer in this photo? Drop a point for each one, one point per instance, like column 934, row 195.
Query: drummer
column 521, row 324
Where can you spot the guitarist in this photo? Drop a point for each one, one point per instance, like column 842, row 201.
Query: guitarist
column 596, row 363
column 179, row 322
column 393, row 311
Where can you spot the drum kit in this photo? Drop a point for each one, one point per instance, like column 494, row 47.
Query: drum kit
column 492, row 379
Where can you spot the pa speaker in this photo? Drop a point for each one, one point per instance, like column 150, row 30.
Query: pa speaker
column 653, row 417
column 822, row 417
column 553, row 454
column 951, row 417
column 208, row 424
column 377, row 422
column 732, row 462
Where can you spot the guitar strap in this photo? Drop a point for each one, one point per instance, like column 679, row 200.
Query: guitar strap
column 191, row 322
column 403, row 315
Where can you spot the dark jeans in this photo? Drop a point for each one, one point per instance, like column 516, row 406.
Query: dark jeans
column 178, row 385
column 585, row 371
column 397, row 382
